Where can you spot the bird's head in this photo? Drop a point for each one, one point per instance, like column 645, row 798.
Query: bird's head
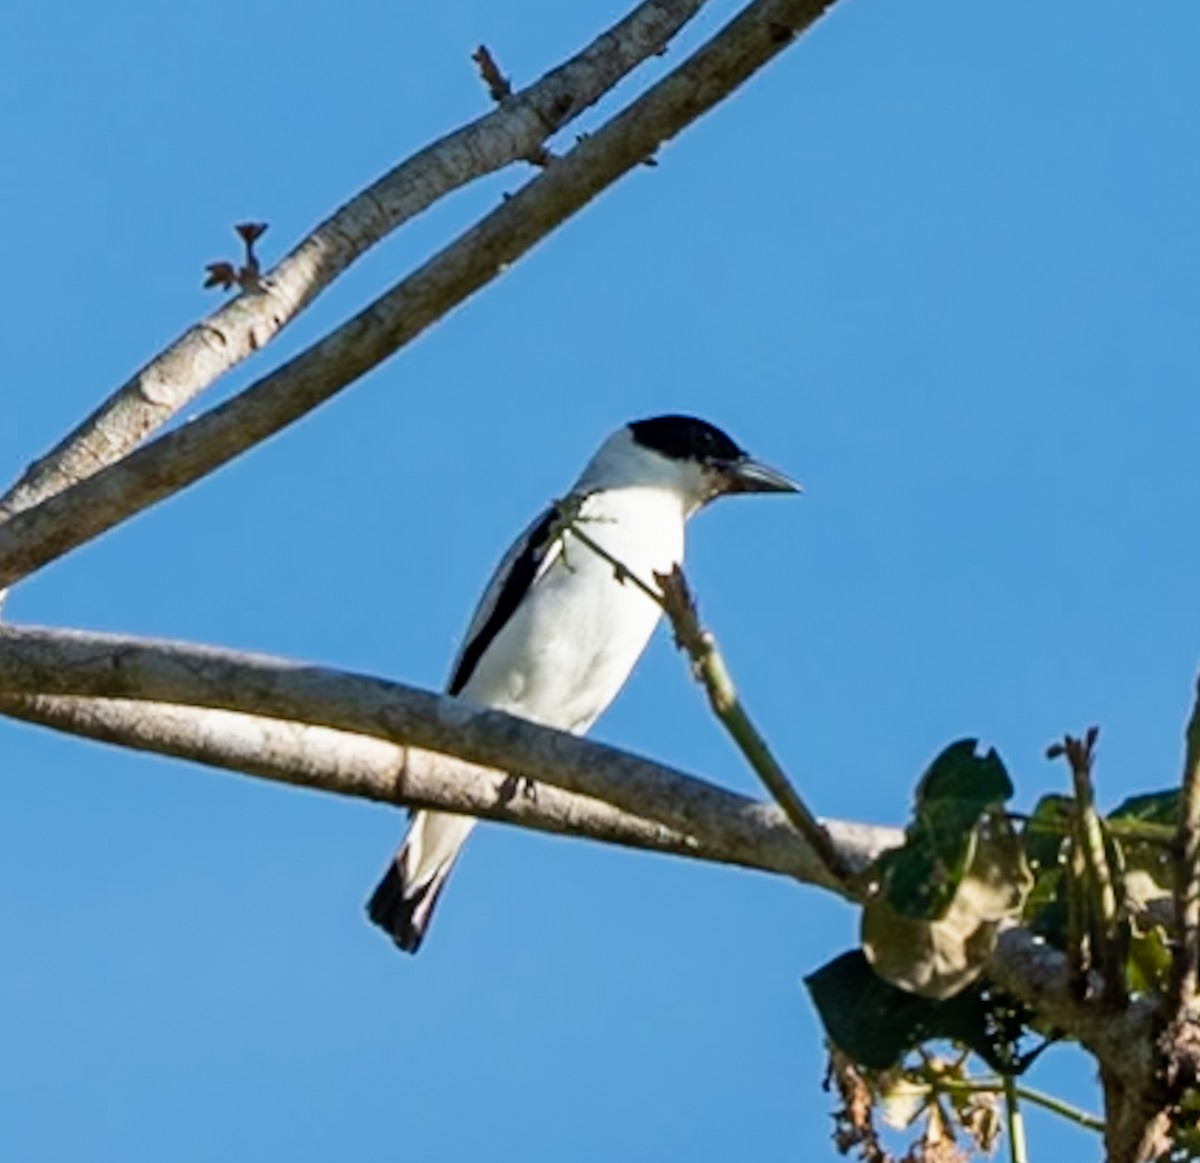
column 691, row 457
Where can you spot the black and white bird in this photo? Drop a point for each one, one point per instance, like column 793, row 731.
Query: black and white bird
column 557, row 633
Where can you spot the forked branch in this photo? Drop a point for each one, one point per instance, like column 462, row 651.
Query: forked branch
column 212, row 347
column 38, row 535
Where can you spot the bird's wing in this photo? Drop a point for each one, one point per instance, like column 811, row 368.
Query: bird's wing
column 530, row 556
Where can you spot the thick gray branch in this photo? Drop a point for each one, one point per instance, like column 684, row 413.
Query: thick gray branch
column 60, row 662
column 1125, row 1042
column 518, row 129
column 38, row 535
column 334, row 761
column 1035, row 973
column 327, row 760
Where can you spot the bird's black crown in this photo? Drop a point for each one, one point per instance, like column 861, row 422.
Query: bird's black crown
column 685, row 438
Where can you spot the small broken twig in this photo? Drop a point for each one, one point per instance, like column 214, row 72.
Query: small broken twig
column 498, row 85
column 247, row 277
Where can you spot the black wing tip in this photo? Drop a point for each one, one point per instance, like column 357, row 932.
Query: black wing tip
column 402, row 917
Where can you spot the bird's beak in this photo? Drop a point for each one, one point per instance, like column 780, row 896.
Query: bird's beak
column 752, row 476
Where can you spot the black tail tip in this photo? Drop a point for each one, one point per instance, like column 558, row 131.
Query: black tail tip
column 398, row 915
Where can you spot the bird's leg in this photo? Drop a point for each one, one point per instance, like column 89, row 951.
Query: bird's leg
column 517, row 785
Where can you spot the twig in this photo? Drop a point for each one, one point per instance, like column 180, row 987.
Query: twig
column 709, row 665
column 675, row 599
column 32, row 538
column 242, row 327
column 105, row 666
column 247, row 277
column 1057, row 1106
column 1000, row 1084
column 1101, row 895
column 569, row 522
column 498, row 86
column 1181, row 996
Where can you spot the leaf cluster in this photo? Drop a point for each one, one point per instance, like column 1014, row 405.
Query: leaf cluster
column 967, row 868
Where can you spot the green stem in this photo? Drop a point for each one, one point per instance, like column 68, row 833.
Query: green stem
column 722, row 695
column 1185, row 967
column 1026, row 1094
column 1017, row 1151
column 1077, row 910
column 1137, row 830
column 710, row 668
column 1102, row 894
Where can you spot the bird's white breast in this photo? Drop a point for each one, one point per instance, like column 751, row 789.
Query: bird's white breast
column 569, row 647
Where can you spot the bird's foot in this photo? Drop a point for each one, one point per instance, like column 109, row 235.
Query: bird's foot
column 518, row 785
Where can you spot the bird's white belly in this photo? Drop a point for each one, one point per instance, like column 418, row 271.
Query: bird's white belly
column 568, row 649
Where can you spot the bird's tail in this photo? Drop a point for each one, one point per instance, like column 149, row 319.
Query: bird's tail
column 403, row 902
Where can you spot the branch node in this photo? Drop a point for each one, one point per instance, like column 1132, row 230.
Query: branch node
column 247, row 277
column 498, row 86
column 540, row 157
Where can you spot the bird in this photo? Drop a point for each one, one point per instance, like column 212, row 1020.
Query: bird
column 559, row 629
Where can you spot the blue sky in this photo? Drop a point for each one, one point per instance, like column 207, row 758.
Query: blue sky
column 939, row 262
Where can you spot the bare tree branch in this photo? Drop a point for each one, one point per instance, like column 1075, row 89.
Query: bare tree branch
column 1036, row 974
column 38, row 535
column 1124, row 1041
column 335, row 761
column 517, row 130
column 61, row 662
column 499, row 87
column 327, row 760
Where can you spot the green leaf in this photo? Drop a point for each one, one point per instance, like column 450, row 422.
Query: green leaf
column 961, row 871
column 1046, row 832
column 1159, row 807
column 1047, row 912
column 1149, row 964
column 1045, row 839
column 876, row 1023
column 920, row 879
column 940, row 956
column 1143, row 829
column 958, row 774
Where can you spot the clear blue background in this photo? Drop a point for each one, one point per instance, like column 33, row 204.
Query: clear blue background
column 939, row 261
